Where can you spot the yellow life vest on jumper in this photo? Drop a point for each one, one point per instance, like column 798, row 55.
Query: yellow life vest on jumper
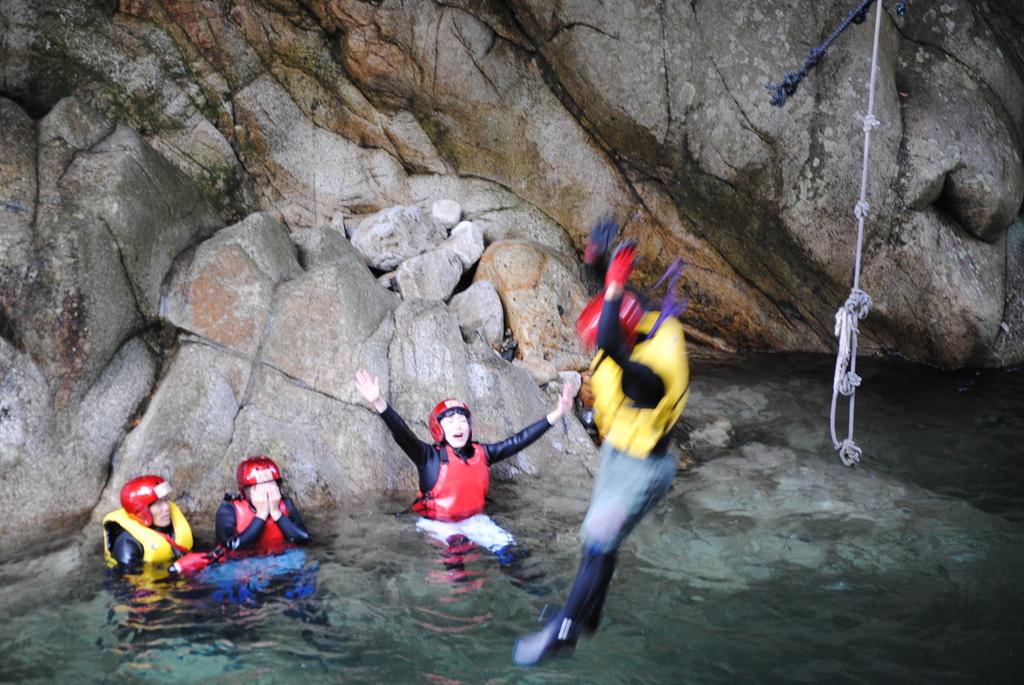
column 632, row 429
column 155, row 547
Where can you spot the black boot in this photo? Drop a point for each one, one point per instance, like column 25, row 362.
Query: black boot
column 590, row 614
column 581, row 611
column 559, row 635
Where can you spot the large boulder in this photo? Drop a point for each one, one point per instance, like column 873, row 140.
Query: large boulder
column 393, row 235
column 505, row 400
column 112, row 216
column 330, row 450
column 282, row 386
column 432, row 275
column 542, row 296
column 77, row 304
column 186, row 428
column 427, row 360
column 26, row 442
column 222, row 290
column 105, row 415
column 150, row 208
column 328, row 323
column 54, row 464
column 478, row 311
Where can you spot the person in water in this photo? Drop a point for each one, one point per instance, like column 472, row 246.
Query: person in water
column 454, row 471
column 259, row 518
column 148, row 528
column 640, row 383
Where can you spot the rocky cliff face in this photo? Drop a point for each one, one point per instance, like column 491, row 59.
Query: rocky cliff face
column 138, row 333
column 653, row 112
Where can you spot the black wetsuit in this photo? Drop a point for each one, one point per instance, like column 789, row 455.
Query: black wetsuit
column 127, row 551
column 292, row 526
column 428, row 458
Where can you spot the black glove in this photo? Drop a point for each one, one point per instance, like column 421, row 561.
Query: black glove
column 602, row 236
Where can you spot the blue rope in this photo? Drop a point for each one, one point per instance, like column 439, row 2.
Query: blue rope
column 787, row 86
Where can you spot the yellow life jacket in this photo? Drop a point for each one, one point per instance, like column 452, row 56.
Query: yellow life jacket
column 628, row 428
column 155, row 547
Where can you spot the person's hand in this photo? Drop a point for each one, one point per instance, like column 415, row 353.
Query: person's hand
column 273, row 499
column 620, row 267
column 601, row 238
column 369, row 387
column 563, row 406
column 260, row 500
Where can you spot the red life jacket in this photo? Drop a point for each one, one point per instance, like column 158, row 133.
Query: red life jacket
column 460, row 488
column 271, row 540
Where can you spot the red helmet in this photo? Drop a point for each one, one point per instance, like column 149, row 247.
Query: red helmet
column 138, row 494
column 445, row 408
column 630, row 314
column 256, row 470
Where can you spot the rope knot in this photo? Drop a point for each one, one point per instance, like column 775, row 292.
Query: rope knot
column 860, row 210
column 859, row 303
column 815, row 55
column 782, row 90
column 850, row 453
column 849, row 383
column 871, row 122
column 793, row 79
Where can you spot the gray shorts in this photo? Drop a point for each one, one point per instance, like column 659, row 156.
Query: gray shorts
column 624, row 491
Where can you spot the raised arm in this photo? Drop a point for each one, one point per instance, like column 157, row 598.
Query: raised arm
column 369, row 387
column 506, row 448
column 639, row 382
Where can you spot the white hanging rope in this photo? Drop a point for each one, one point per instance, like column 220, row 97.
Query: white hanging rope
column 858, row 304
